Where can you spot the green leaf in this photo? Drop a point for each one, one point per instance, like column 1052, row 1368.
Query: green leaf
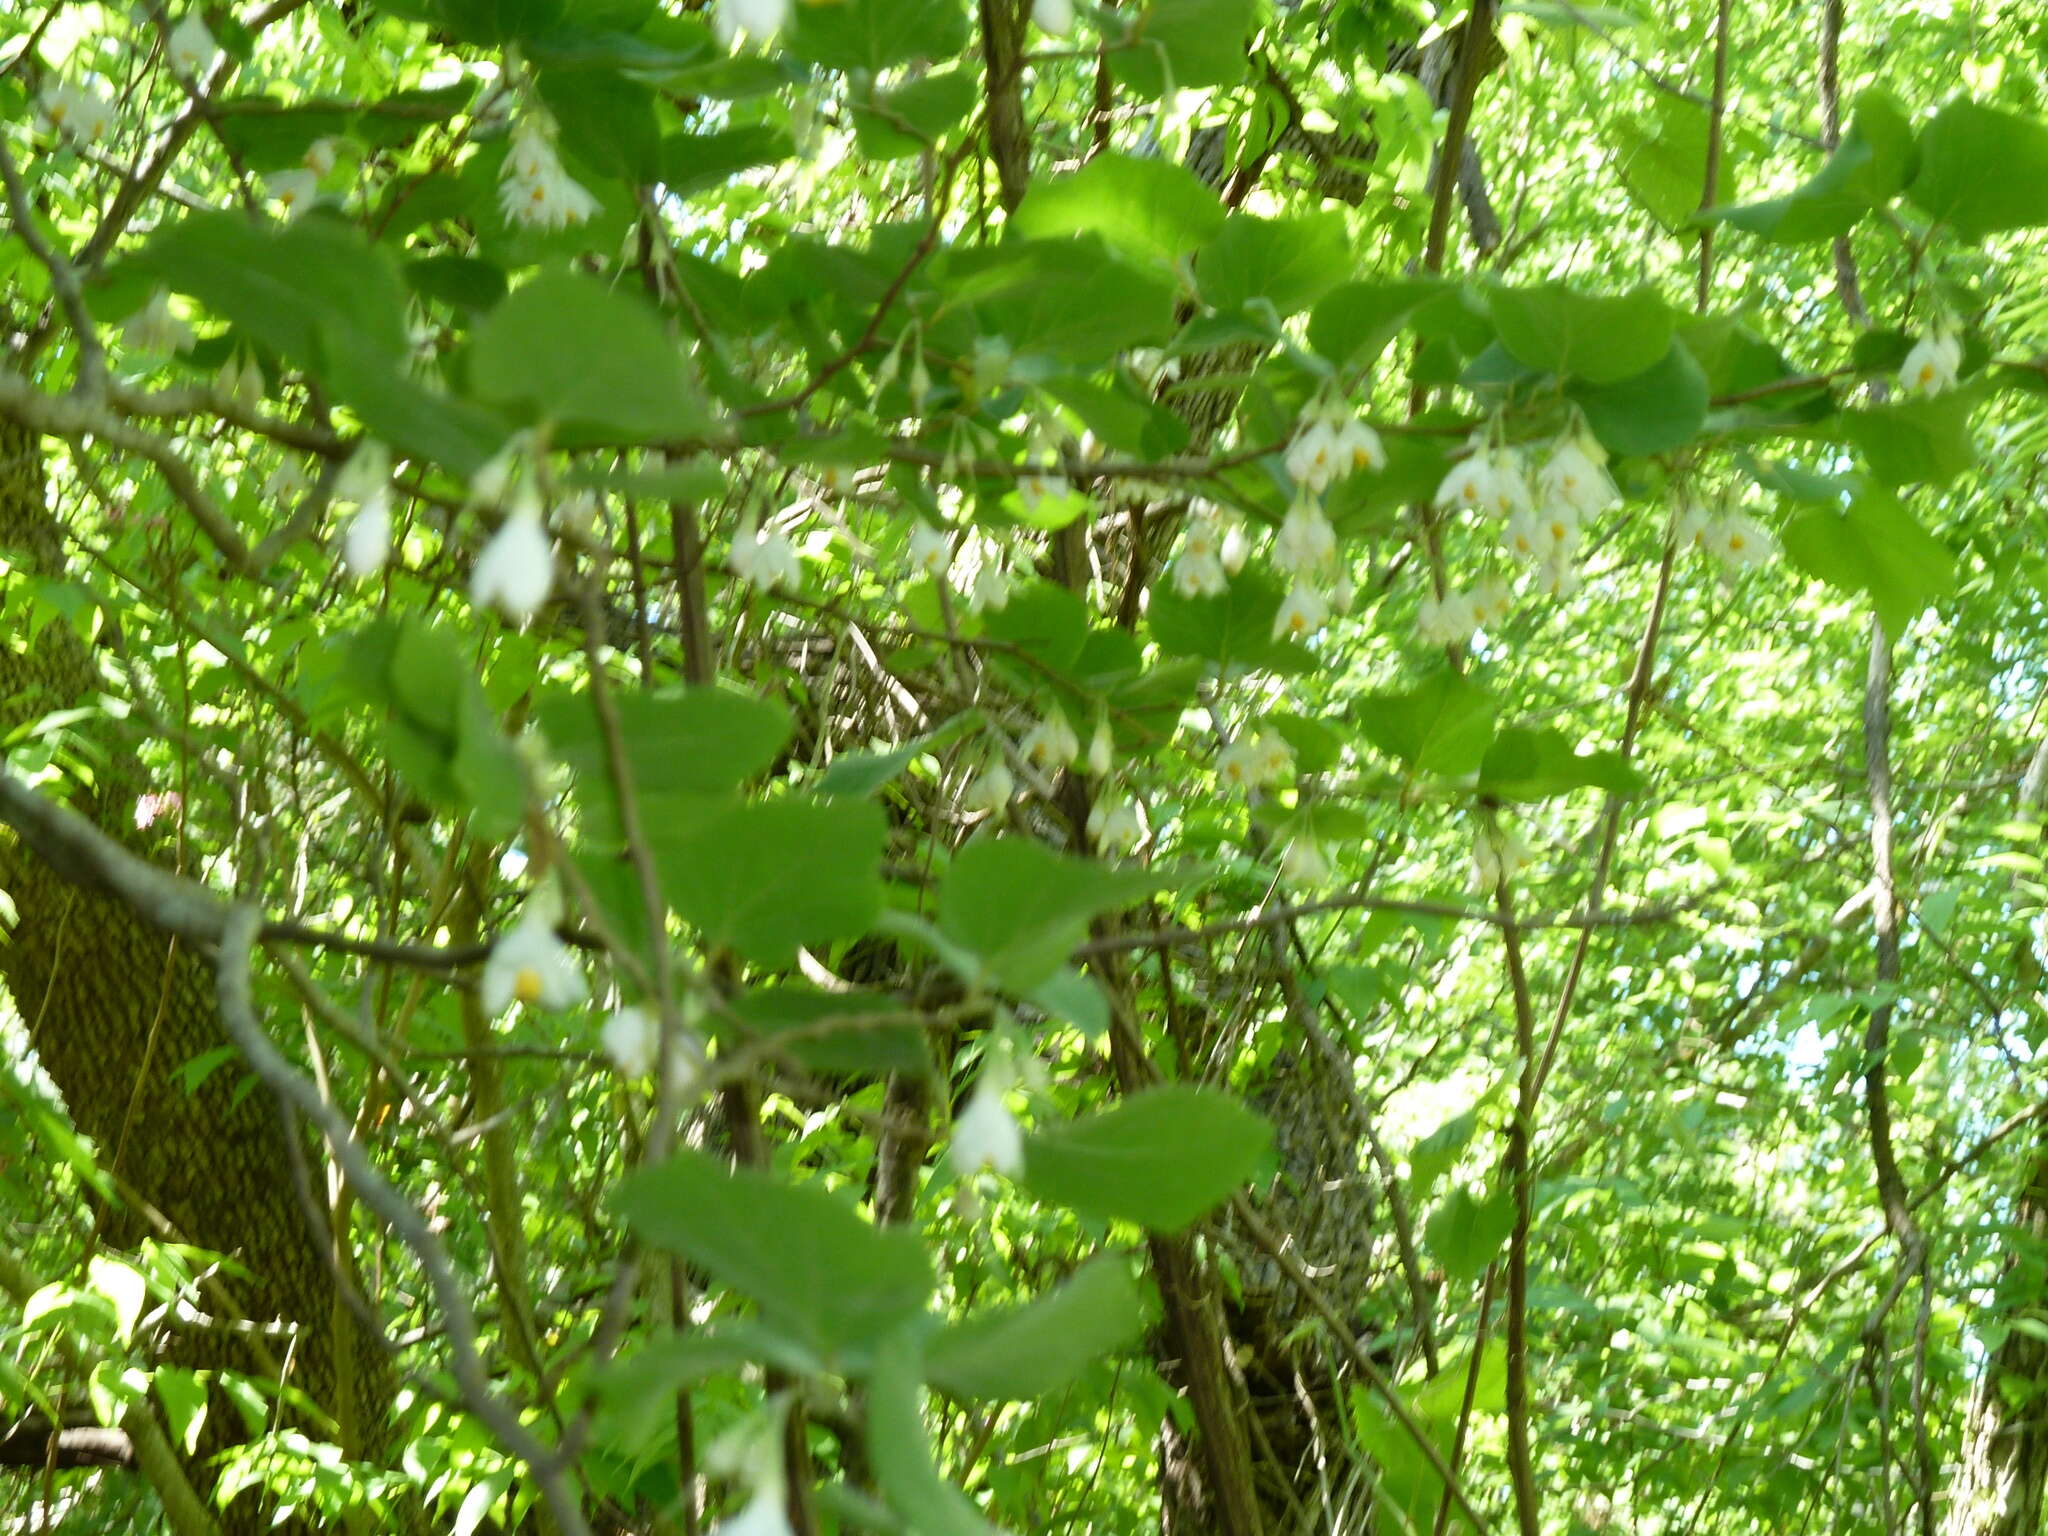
column 835, row 1031
column 1982, row 171
column 1352, row 323
column 1160, row 1158
column 1183, row 45
column 1875, row 548
column 1592, row 337
column 1070, row 301
column 1925, row 441
column 1019, row 1353
column 607, row 121
column 1867, row 170
column 1151, row 209
column 815, row 1268
column 1233, row 629
column 875, row 35
column 1663, row 159
column 183, row 1394
column 1527, row 763
column 1021, row 908
column 915, row 116
column 899, row 1447
column 1444, row 726
column 1654, row 412
column 692, row 162
column 124, row 1289
column 1287, row 263
column 1465, row 1233
column 1044, row 620
column 569, row 351
column 1069, row 995
column 764, row 879
column 692, row 741
column 1433, row 1156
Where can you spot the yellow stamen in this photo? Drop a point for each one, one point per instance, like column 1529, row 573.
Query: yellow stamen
column 526, row 986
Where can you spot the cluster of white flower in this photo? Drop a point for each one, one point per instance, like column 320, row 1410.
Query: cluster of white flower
column 533, row 189
column 516, row 570
column 1050, row 744
column 992, row 789
column 1933, row 365
column 191, row 50
column 759, row 20
column 1118, row 825
column 764, row 559
column 1498, row 853
column 1253, row 762
column 1331, row 442
column 365, row 482
column 931, row 550
column 75, row 111
column 631, row 1038
column 1212, row 550
column 1730, row 535
column 1544, row 522
column 157, row 328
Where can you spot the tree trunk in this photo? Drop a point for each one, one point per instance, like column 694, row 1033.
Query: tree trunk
column 1998, row 1490
column 114, row 1009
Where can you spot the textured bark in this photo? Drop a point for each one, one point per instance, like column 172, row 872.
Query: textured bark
column 1999, row 1487
column 114, row 1009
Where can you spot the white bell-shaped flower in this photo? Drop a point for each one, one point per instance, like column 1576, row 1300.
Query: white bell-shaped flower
column 985, row 1133
column 516, row 570
column 631, row 1038
column 156, row 327
column 293, row 191
column 241, row 380
column 1492, row 599
column 1117, row 826
column 991, row 789
column 1202, row 537
column 1050, row 744
column 764, row 560
column 1498, row 853
column 529, row 965
column 1101, row 750
column 320, row 156
column 1304, row 863
column 1053, row 16
column 1736, row 539
column 1275, row 758
column 1302, row 612
column 1251, row 762
column 1359, row 448
column 1448, row 620
column 1196, row 576
column 1574, row 481
column 77, row 112
column 1933, row 365
column 1468, row 487
column 991, row 589
column 366, row 542
column 1537, row 536
column 1237, row 547
column 366, row 474
column 533, row 189
column 1508, row 488
column 1041, row 486
column 1312, row 457
column 1305, row 542
column 930, row 550
column 764, row 1515
column 191, row 50
column 757, row 20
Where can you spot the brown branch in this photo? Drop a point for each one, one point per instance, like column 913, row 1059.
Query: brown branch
column 1521, row 1175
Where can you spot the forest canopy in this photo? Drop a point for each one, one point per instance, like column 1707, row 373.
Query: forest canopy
column 792, row 767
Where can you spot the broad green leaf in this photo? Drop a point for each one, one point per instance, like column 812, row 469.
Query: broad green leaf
column 572, row 352
column 1875, row 548
column 875, row 35
column 1873, row 162
column 1160, row 1158
column 183, row 1394
column 1232, row 629
column 693, row 162
column 1070, row 301
column 914, row 116
column 1286, row 263
column 1045, row 621
column 1662, row 159
column 1179, row 45
column 1653, row 412
column 1982, row 170
column 1443, row 726
column 1433, row 1156
column 1151, row 209
column 1593, row 337
column 766, row 878
column 694, row 741
column 899, row 1447
column 606, row 121
column 1021, row 909
column 831, row 1280
column 1069, row 995
column 124, row 1288
column 1919, row 441
column 1352, row 324
column 834, row 1031
column 1527, row 763
column 1465, row 1233
column 1019, row 1353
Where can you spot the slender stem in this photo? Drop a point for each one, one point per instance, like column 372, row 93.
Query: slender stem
column 1520, row 1172
column 1710, row 193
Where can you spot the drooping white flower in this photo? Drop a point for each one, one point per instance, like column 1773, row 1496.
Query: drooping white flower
column 1736, row 539
column 1312, row 457
column 1537, row 536
column 631, row 1038
column 1468, row 487
column 191, row 50
column 1196, row 576
column 759, row 20
column 985, row 1133
column 764, row 560
column 516, row 570
column 764, row 1515
column 991, row 790
column 366, row 474
column 1359, row 447
column 1251, row 762
column 1508, row 488
column 241, row 380
column 1932, row 365
column 1492, row 599
column 1041, row 486
column 1343, row 592
column 991, row 589
column 320, row 155
column 1302, row 612
column 1202, row 537
column 366, row 543
column 1303, row 862
column 1051, row 743
column 288, row 479
column 1053, row 16
column 530, row 965
column 1237, row 547
column 1306, row 542
column 1448, row 620
column 1498, row 853
column 1101, row 750
column 155, row 328
column 533, row 189
column 930, row 550
column 1117, row 826
column 1275, row 758
column 77, row 112
column 1557, row 576
column 1573, row 480
column 293, row 191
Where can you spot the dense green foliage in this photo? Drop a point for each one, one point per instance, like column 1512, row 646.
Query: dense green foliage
column 1156, row 775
